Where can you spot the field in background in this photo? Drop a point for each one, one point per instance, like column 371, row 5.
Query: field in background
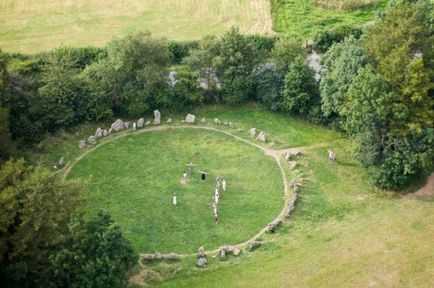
column 37, row 25
column 303, row 18
column 343, row 4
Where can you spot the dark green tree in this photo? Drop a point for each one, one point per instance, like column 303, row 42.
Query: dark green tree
column 93, row 254
column 300, row 94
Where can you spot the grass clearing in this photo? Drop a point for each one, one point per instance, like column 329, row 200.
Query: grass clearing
column 134, row 178
column 303, row 18
column 39, row 25
column 343, row 232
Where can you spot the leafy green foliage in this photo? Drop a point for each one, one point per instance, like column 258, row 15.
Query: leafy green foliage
column 324, row 39
column 131, row 75
column 36, row 206
column 341, row 63
column 93, row 254
column 300, row 94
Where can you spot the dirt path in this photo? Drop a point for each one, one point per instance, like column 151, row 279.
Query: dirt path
column 425, row 191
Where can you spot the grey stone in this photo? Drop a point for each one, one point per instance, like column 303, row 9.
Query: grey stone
column 203, row 120
column 110, row 131
column 81, row 144
column 134, row 126
column 91, row 139
column 253, row 132
column 217, row 121
column 157, row 117
column 127, row 124
column 262, row 136
column 98, row 132
column 236, row 251
column 201, row 252
column 148, row 123
column 118, row 125
column 148, row 257
column 201, row 262
column 169, row 121
column 61, row 162
column 104, row 133
column 172, row 257
column 190, row 118
column 253, row 245
column 222, row 252
column 271, row 227
column 231, row 125
column 140, row 123
column 157, row 256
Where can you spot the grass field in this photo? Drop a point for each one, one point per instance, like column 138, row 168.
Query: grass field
column 303, row 18
column 134, row 178
column 343, row 232
column 38, row 25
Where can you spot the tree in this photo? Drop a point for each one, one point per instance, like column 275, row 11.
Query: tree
column 93, row 254
column 285, row 51
column 269, row 85
column 61, row 97
column 131, row 75
column 341, row 64
column 400, row 46
column 37, row 206
column 300, row 94
column 183, row 89
column 235, row 62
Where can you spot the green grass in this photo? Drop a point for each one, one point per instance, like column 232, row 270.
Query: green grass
column 343, row 232
column 303, row 18
column 134, row 178
column 39, row 25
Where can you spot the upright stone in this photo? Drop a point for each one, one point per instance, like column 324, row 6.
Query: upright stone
column 253, row 132
column 203, row 120
column 157, row 117
column 262, row 136
column 148, row 123
column 118, row 125
column 126, row 125
column 91, row 139
column 169, row 121
column 190, row 118
column 82, row 144
column 104, row 133
column 98, row 132
column 140, row 123
column 217, row 121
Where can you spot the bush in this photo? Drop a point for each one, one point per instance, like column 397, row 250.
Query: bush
column 323, row 40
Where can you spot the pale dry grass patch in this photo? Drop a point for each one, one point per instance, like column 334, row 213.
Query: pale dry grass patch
column 37, row 25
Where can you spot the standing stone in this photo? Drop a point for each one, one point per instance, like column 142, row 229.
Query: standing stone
column 217, row 121
column 134, row 126
column 110, row 131
column 236, row 251
column 118, row 125
column 253, row 132
column 91, row 139
column 98, row 133
column 61, row 162
column 169, row 121
column 203, row 120
column 148, row 123
column 231, row 125
column 222, row 252
column 127, row 124
column 81, row 144
column 190, row 118
column 157, row 117
column 140, row 123
column 201, row 252
column 201, row 262
column 104, row 133
column 253, row 245
column 262, row 136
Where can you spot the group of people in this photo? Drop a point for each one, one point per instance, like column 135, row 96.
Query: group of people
column 220, row 183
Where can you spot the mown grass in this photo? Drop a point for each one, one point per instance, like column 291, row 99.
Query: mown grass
column 343, row 232
column 303, row 18
column 39, row 25
column 134, row 178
